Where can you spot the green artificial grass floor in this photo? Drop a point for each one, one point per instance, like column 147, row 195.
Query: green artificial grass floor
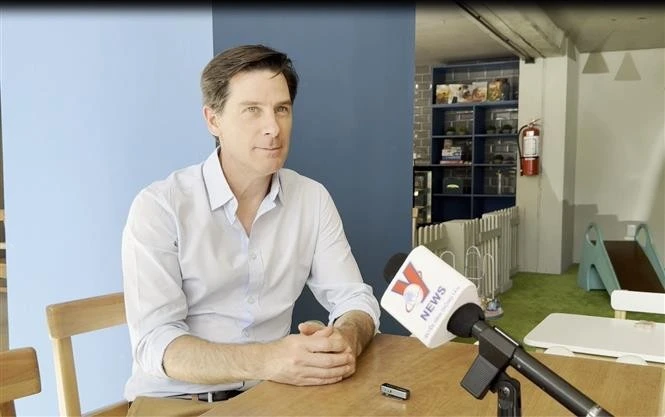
column 534, row 296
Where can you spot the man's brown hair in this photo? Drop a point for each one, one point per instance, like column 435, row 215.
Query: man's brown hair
column 219, row 71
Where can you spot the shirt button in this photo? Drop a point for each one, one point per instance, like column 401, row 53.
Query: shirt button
column 252, row 256
column 250, row 300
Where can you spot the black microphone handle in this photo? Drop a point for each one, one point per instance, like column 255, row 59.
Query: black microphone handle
column 555, row 386
column 558, row 388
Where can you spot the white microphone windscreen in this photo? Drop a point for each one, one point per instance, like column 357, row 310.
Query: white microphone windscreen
column 423, row 295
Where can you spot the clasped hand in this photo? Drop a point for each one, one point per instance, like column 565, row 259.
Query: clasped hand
column 319, row 355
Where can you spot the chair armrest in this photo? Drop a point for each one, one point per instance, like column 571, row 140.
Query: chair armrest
column 113, row 410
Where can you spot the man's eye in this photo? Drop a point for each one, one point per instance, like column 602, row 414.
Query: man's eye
column 252, row 109
column 283, row 109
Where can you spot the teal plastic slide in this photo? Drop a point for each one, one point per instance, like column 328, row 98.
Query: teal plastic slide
column 620, row 264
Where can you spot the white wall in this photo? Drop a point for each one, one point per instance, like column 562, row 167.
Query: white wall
column 95, row 105
column 603, row 155
column 621, row 149
column 547, row 92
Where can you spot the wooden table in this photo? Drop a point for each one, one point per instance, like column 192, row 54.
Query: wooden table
column 600, row 336
column 434, row 375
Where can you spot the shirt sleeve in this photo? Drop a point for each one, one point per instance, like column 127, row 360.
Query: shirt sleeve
column 335, row 279
column 155, row 304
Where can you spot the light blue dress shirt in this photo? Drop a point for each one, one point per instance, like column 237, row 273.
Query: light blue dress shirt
column 189, row 267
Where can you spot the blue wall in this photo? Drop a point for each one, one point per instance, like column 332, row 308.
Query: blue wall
column 95, row 105
column 353, row 127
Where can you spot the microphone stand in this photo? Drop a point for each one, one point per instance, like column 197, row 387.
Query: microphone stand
column 488, row 372
column 508, row 396
column 496, row 351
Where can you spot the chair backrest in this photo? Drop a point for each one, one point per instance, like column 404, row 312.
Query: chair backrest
column 636, row 301
column 19, row 377
column 76, row 317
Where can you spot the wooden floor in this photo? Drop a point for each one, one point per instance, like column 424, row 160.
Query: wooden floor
column 632, row 267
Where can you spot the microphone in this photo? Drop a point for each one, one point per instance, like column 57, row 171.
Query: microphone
column 424, row 293
column 393, row 265
column 436, row 303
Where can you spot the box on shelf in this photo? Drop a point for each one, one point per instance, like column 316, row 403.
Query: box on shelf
column 494, row 90
column 451, row 154
column 499, row 89
column 443, row 94
column 459, row 153
column 479, row 91
column 463, row 93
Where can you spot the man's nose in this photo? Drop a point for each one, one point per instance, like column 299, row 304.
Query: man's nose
column 271, row 127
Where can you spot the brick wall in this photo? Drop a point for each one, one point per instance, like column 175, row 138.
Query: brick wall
column 422, row 116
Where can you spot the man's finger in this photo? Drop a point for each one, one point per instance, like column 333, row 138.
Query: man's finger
column 310, row 327
column 328, row 361
column 333, row 373
column 322, row 342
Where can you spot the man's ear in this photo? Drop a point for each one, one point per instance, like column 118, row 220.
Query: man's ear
column 212, row 121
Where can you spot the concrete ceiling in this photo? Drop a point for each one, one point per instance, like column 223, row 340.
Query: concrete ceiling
column 449, row 33
column 613, row 28
column 446, row 34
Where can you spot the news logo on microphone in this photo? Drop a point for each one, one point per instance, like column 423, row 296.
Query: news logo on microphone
column 413, row 290
column 423, row 295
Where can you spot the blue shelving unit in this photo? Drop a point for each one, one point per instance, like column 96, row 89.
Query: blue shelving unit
column 486, row 131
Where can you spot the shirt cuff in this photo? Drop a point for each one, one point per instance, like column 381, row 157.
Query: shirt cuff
column 150, row 353
column 368, row 304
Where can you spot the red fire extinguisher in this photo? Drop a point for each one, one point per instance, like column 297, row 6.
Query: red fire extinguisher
column 528, row 145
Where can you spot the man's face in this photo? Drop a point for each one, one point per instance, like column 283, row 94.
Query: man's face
column 254, row 126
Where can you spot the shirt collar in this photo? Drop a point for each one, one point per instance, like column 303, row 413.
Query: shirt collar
column 219, row 191
column 276, row 189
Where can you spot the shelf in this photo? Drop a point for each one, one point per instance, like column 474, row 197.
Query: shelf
column 442, row 166
column 474, row 195
column 495, row 195
column 430, row 166
column 460, row 165
column 495, row 135
column 472, row 104
column 451, row 136
column 451, row 195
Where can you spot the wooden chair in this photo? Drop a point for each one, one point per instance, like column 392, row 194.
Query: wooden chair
column 19, row 377
column 76, row 317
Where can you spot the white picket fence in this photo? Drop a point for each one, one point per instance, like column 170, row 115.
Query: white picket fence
column 495, row 237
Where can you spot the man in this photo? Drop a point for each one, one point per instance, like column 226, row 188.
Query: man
column 215, row 255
